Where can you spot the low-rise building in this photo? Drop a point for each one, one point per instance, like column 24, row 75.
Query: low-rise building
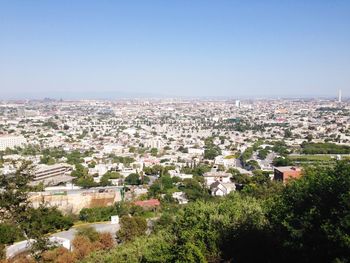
column 182, row 176
column 10, row 141
column 221, row 189
column 180, row 197
column 52, row 174
column 286, row 172
column 213, row 176
column 151, row 203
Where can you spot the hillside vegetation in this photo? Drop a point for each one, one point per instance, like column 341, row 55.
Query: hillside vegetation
column 305, row 221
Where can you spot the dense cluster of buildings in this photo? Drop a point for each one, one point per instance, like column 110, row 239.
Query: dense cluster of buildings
column 127, row 136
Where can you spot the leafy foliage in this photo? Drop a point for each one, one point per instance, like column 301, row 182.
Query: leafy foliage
column 16, row 209
column 211, row 150
column 311, row 216
column 305, row 221
column 89, row 232
column 324, row 148
column 155, row 248
column 131, row 227
column 105, row 180
column 196, row 171
column 98, row 214
column 133, row 179
column 282, row 161
column 9, row 233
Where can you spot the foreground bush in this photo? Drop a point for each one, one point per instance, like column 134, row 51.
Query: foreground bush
column 156, row 248
column 311, row 217
column 198, row 234
column 307, row 221
column 131, row 227
column 86, row 241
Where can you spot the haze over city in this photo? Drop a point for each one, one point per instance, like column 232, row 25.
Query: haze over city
column 114, row 49
column 174, row 131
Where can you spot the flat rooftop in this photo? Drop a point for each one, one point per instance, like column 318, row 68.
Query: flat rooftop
column 288, row 169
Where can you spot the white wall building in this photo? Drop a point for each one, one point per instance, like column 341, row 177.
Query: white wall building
column 195, row 151
column 9, row 141
column 212, row 177
column 222, row 189
column 155, row 143
column 173, row 173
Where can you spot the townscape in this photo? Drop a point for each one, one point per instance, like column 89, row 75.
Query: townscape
column 174, row 131
column 86, row 144
column 88, row 157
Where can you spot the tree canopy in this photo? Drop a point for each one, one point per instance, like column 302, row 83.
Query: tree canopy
column 305, row 221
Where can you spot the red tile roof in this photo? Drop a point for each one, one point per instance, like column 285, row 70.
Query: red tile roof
column 148, row 203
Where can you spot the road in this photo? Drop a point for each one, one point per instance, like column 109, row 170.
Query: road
column 79, row 191
column 23, row 246
column 100, row 227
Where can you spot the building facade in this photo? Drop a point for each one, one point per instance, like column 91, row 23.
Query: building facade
column 286, row 172
column 9, row 141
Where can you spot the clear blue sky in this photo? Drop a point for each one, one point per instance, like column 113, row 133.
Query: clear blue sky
column 106, row 49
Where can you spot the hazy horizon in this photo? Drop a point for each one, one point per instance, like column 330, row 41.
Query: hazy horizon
column 114, row 49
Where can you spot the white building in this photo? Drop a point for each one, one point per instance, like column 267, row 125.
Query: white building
column 238, row 103
column 155, row 143
column 227, row 163
column 113, row 148
column 195, row 151
column 212, row 177
column 221, row 189
column 9, row 141
column 52, row 174
column 180, row 197
column 99, row 169
column 183, row 176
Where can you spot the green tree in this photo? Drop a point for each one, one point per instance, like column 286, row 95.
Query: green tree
column 194, row 190
column 16, row 209
column 237, row 177
column 105, row 180
column 260, row 177
column 161, row 186
column 133, row 179
column 131, row 227
column 43, row 220
column 154, row 248
column 46, row 159
column 79, row 171
column 262, row 153
column 92, row 164
column 75, row 157
column 287, row 133
column 96, row 214
column 211, row 152
column 154, row 151
column 253, row 164
column 89, row 232
column 282, row 161
column 310, row 218
column 9, row 233
column 2, row 251
column 86, row 181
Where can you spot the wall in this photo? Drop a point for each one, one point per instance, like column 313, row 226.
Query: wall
column 74, row 202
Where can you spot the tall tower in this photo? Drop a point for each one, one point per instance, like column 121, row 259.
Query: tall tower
column 238, row 103
column 339, row 96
